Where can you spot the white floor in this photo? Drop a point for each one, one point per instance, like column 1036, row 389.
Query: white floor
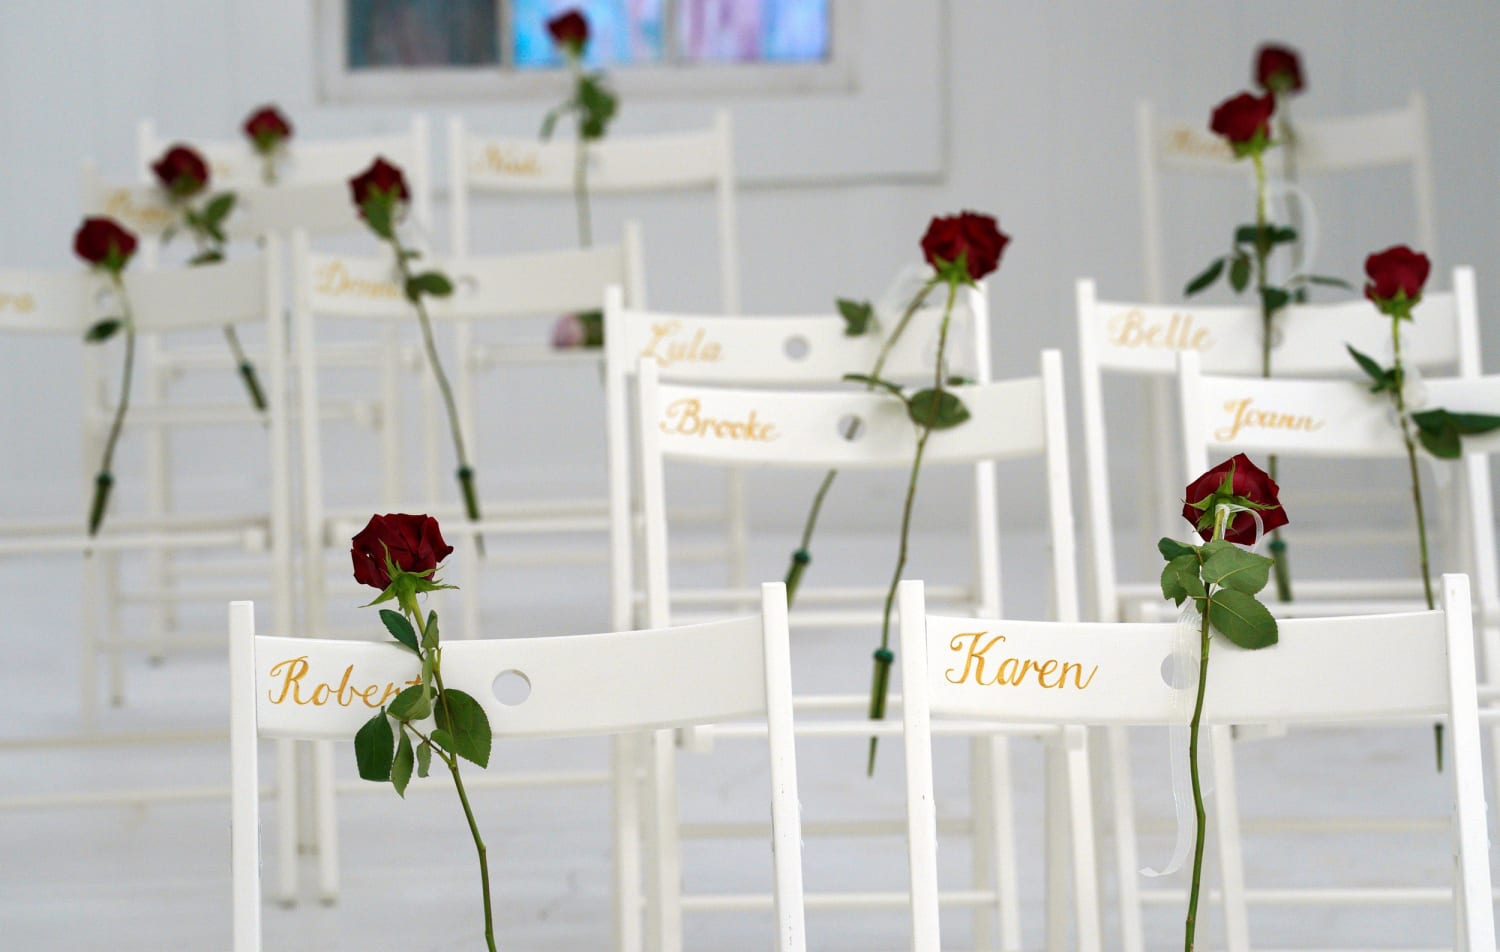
column 156, row 877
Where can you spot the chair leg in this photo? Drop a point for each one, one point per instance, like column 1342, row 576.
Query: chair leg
column 286, row 821
column 982, row 847
column 734, row 517
column 113, row 627
column 469, row 582
column 1001, row 823
column 1085, row 858
column 625, row 768
column 88, row 660
column 1056, row 820
column 1127, row 859
column 327, row 822
column 664, row 888
column 1231, row 857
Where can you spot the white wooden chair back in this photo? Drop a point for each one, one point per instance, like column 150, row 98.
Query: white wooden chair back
column 669, row 162
column 804, row 429
column 579, row 685
column 1365, row 668
column 1144, row 340
column 804, row 351
column 1390, row 138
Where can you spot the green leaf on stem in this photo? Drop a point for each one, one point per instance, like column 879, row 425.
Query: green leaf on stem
column 1382, row 379
column 549, row 121
column 1236, row 568
column 1205, row 278
column 379, row 211
column 465, row 725
column 1242, row 619
column 1239, row 272
column 857, row 316
column 374, row 746
column 430, row 633
column 936, row 409
column 217, row 210
column 597, row 106
column 402, row 765
column 1172, row 549
column 205, row 257
column 103, row 330
column 412, row 704
column 1322, row 279
column 1274, row 299
column 400, row 628
column 1180, row 579
column 424, row 759
column 873, row 382
column 432, row 283
column 429, row 665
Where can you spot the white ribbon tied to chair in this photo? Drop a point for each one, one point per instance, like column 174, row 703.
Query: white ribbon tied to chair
column 1182, row 674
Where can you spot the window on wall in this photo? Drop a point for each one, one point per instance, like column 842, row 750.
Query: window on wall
column 443, row 48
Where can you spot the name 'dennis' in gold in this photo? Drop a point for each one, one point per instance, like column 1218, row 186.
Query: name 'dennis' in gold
column 1010, row 671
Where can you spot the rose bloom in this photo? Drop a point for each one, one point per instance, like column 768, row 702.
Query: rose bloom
column 181, row 171
column 267, row 127
column 1241, row 117
column 381, row 178
column 1251, row 482
column 1396, row 274
column 1278, row 69
column 415, row 544
column 570, row 29
column 101, row 241
column 568, row 332
column 975, row 236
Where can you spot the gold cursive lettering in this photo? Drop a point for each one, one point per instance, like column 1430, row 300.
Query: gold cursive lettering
column 22, row 303
column 509, row 162
column 334, row 279
column 1177, row 333
column 685, row 417
column 1187, row 141
column 292, row 671
column 1049, row 673
column 151, row 216
column 666, row 351
column 1246, row 415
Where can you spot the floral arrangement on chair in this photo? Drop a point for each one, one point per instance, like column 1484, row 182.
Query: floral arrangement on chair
column 381, row 196
column 183, row 175
column 593, row 106
column 399, row 555
column 268, row 131
column 1230, row 506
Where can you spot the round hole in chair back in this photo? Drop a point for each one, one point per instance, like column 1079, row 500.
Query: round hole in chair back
column 511, row 687
column 851, row 427
column 1179, row 671
column 796, row 347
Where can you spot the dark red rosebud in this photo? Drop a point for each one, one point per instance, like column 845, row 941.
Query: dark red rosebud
column 267, row 128
column 1245, row 121
column 103, row 243
column 975, row 238
column 414, row 543
column 1278, row 69
column 181, row 171
column 1396, row 275
column 381, row 178
column 1250, row 484
column 570, row 30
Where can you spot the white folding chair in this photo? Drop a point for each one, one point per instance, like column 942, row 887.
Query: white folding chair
column 1365, row 668
column 778, row 351
column 804, row 429
column 620, row 683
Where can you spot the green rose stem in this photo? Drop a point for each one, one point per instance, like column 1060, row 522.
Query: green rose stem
column 802, row 557
column 1262, row 282
column 883, row 655
column 465, row 471
column 412, row 611
column 106, row 480
column 581, row 161
column 209, row 252
column 1220, row 519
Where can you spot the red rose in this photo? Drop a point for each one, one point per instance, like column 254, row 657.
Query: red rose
column 570, row 30
column 1245, row 120
column 414, row 543
column 1278, row 69
column 975, row 238
column 181, row 171
column 381, row 178
column 102, row 242
column 267, row 127
column 1250, row 484
column 1396, row 278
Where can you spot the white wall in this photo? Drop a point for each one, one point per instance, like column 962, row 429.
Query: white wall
column 1034, row 107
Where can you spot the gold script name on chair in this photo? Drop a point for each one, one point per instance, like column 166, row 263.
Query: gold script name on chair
column 1049, row 673
column 508, row 162
column 1190, row 142
column 21, row 303
column 1247, row 415
column 334, row 279
column 667, row 346
column 1176, row 333
column 685, row 417
column 150, row 215
column 295, row 687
